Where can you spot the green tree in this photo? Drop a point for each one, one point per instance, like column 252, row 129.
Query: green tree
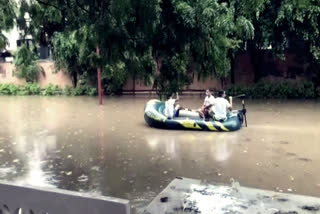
column 161, row 42
column 120, row 28
column 246, row 14
column 7, row 17
column 26, row 66
column 300, row 19
column 67, row 55
column 196, row 36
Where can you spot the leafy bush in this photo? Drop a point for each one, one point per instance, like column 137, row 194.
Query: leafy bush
column 26, row 66
column 113, row 77
column 8, row 89
column 51, row 90
column 13, row 89
column 91, row 91
column 318, row 92
column 35, row 89
column 28, row 89
column 79, row 91
column 84, row 90
column 32, row 89
column 285, row 89
column 67, row 91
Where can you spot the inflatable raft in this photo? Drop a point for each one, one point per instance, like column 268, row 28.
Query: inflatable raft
column 154, row 117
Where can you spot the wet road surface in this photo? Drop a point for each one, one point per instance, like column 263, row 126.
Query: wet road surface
column 72, row 143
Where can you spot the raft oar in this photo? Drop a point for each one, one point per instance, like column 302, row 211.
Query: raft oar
column 244, row 112
column 242, row 96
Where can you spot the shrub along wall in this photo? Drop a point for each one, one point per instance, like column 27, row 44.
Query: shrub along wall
column 284, row 89
column 49, row 90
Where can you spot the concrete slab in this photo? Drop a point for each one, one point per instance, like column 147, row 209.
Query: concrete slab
column 32, row 200
column 191, row 196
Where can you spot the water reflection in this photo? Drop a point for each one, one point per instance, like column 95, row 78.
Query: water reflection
column 72, row 143
column 169, row 142
column 222, row 148
column 220, row 144
column 34, row 150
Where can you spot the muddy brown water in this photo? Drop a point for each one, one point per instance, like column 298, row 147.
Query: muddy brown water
column 72, row 143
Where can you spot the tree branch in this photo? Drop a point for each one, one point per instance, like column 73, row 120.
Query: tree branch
column 81, row 7
column 48, row 4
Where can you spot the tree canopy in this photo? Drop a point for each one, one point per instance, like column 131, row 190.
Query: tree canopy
column 7, row 17
column 166, row 42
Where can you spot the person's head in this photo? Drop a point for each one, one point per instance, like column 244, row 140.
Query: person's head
column 221, row 93
column 208, row 93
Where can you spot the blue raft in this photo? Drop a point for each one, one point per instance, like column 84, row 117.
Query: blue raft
column 154, row 117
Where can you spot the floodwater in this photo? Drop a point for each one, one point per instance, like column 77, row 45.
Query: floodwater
column 72, row 143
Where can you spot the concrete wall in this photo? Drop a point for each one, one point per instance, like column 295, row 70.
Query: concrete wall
column 244, row 74
column 272, row 69
column 196, row 85
column 7, row 74
column 49, row 75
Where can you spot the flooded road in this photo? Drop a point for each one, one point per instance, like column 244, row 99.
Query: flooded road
column 72, row 143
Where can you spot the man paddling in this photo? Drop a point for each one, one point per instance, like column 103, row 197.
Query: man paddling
column 221, row 106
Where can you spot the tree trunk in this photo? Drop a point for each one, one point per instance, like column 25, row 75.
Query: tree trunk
column 74, row 79
column 134, row 83
column 232, row 72
column 256, row 56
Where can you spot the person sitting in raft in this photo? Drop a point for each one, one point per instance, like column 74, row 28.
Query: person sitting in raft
column 171, row 108
column 207, row 109
column 221, row 106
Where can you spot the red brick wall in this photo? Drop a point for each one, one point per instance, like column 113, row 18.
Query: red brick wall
column 244, row 73
column 272, row 68
column 49, row 75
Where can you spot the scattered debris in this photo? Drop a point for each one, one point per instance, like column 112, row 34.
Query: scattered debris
column 305, row 159
column 290, row 212
column 291, row 154
column 311, row 208
column 95, row 168
column 282, row 199
column 284, row 142
column 164, row 199
column 83, row 178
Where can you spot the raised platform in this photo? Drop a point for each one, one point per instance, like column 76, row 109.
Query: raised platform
column 191, row 196
column 15, row 199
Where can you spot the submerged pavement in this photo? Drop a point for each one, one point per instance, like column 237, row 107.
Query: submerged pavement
column 72, row 143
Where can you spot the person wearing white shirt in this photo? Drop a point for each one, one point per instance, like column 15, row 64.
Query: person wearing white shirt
column 171, row 109
column 221, row 106
column 207, row 107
